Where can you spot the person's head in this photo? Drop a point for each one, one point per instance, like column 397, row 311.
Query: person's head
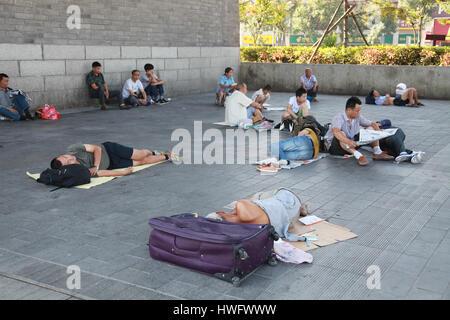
column 135, row 75
column 308, row 72
column 374, row 93
column 62, row 161
column 229, row 72
column 242, row 87
column 149, row 67
column 267, row 89
column 4, row 80
column 353, row 107
column 96, row 67
column 301, row 95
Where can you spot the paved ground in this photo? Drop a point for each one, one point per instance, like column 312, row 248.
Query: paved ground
column 400, row 212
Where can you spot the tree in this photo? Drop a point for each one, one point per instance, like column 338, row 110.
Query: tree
column 256, row 17
column 416, row 13
column 382, row 20
column 281, row 17
column 445, row 5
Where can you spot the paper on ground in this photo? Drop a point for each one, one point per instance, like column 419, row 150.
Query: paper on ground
column 309, row 220
column 100, row 180
column 367, row 136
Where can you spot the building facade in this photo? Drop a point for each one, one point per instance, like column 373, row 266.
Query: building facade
column 47, row 46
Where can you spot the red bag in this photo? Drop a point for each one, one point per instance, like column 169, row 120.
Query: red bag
column 48, row 113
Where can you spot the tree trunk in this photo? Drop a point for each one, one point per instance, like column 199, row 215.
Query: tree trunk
column 345, row 29
column 420, row 31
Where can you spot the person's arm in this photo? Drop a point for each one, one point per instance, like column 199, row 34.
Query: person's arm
column 112, row 173
column 315, row 86
column 289, row 110
column 366, row 123
column 257, row 105
column 340, row 135
column 305, row 110
column 97, row 151
column 144, row 95
column 106, row 90
column 303, row 83
column 304, row 133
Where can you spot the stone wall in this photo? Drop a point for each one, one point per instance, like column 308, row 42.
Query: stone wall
column 431, row 81
column 190, row 42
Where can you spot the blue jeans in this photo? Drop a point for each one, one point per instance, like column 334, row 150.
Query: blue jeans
column 156, row 92
column 296, row 148
column 250, row 112
column 100, row 94
column 20, row 104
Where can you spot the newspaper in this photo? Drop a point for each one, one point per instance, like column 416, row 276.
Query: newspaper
column 369, row 136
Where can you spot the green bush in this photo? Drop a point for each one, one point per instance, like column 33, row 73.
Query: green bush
column 375, row 55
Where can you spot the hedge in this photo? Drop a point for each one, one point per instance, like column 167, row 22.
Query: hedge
column 375, row 55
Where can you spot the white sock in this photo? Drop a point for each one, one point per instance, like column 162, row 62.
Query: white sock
column 357, row 155
column 377, row 150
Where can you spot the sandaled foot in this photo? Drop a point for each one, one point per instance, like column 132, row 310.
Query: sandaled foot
column 363, row 161
column 304, row 210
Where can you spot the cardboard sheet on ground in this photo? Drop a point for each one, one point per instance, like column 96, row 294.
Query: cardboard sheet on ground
column 98, row 181
column 327, row 233
column 256, row 127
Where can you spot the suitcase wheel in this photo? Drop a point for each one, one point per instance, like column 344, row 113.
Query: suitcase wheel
column 236, row 281
column 272, row 262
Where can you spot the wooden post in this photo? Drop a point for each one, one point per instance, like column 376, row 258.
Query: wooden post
column 359, row 29
column 337, row 22
column 345, row 29
column 331, row 21
column 330, row 29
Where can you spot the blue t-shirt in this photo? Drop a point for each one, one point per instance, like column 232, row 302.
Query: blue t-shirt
column 380, row 100
column 225, row 82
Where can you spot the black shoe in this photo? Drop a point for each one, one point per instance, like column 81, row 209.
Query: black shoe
column 163, row 101
column 124, row 107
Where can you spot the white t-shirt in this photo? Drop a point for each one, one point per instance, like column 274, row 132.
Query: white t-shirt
column 133, row 86
column 400, row 89
column 259, row 93
column 236, row 107
column 146, row 81
column 295, row 106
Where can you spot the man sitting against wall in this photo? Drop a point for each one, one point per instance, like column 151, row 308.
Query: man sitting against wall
column 310, row 84
column 133, row 91
column 153, row 86
column 13, row 104
column 99, row 89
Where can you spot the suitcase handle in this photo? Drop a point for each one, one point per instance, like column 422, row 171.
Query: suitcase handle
column 184, row 253
column 202, row 228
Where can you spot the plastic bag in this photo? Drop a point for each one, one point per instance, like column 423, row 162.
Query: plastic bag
column 48, row 113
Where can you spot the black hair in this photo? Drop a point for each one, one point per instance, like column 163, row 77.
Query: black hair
column 228, row 70
column 300, row 92
column 96, row 64
column 352, row 102
column 56, row 164
column 371, row 93
column 3, row 75
column 148, row 67
column 132, row 72
column 268, row 88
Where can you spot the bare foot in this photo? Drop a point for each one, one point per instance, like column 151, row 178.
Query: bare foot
column 304, row 210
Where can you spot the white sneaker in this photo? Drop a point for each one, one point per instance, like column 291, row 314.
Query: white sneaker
column 417, row 157
column 404, row 157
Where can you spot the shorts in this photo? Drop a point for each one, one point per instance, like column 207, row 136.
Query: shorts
column 119, row 155
column 336, row 149
column 400, row 102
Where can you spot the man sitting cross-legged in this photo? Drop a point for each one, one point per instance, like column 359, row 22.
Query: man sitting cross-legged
column 101, row 160
column 298, row 106
column 133, row 91
column 344, row 133
column 240, row 107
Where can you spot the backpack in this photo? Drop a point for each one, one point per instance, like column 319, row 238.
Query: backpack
column 310, row 122
column 66, row 177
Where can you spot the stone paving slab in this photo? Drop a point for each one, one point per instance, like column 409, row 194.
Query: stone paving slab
column 400, row 212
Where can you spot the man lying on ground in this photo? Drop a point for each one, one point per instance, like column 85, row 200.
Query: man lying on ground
column 99, row 89
column 240, row 107
column 262, row 95
column 101, row 160
column 298, row 106
column 12, row 105
column 386, row 100
column 406, row 96
column 277, row 209
column 344, row 133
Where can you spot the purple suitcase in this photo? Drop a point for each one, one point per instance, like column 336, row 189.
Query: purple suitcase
column 228, row 251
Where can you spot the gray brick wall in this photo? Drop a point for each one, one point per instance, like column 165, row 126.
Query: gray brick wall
column 174, row 23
